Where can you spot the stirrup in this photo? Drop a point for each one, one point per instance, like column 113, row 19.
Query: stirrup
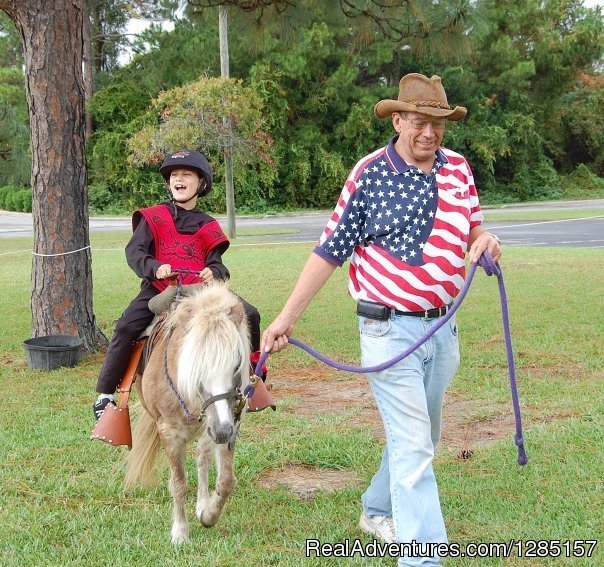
column 113, row 427
column 261, row 398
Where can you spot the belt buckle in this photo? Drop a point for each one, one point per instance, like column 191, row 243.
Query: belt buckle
column 438, row 312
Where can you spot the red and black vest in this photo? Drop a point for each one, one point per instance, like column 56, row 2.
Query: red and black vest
column 181, row 251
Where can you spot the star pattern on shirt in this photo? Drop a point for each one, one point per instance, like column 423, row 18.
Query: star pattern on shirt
column 392, row 210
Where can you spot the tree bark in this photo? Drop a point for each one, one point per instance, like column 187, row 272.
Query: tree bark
column 61, row 300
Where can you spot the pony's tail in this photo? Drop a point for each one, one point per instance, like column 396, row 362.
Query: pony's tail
column 141, row 460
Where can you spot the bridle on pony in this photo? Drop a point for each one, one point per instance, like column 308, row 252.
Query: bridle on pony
column 234, row 396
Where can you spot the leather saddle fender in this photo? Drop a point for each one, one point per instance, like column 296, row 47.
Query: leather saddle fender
column 114, row 425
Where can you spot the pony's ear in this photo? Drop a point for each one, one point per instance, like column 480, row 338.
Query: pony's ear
column 237, row 314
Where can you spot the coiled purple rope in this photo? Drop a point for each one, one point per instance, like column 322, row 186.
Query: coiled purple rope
column 491, row 268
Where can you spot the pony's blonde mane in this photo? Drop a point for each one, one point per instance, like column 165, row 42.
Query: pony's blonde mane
column 214, row 340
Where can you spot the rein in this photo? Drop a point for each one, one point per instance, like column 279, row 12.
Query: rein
column 491, row 268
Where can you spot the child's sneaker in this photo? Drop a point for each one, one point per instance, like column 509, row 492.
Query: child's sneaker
column 99, row 406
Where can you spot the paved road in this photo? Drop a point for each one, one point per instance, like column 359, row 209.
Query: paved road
column 583, row 232
column 578, row 233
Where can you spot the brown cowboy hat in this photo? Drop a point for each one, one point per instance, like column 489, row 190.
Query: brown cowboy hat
column 417, row 93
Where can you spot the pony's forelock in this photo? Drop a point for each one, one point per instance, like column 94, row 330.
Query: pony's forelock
column 214, row 341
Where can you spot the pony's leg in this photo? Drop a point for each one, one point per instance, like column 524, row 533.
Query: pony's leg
column 203, row 457
column 175, row 449
column 209, row 506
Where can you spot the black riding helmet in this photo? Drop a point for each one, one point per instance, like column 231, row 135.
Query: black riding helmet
column 190, row 159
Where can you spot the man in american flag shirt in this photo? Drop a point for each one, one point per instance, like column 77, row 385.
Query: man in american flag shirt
column 406, row 217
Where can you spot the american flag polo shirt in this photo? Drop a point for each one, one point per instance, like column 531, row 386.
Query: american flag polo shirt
column 405, row 231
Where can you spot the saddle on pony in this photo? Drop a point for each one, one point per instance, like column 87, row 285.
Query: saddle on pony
column 114, row 426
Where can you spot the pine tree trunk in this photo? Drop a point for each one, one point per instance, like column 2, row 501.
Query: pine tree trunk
column 61, row 300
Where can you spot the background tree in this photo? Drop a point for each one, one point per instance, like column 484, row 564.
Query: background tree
column 316, row 70
column 104, row 27
column 436, row 26
column 61, row 278
column 319, row 73
column 526, row 60
column 191, row 116
column 120, row 109
column 582, row 124
column 15, row 162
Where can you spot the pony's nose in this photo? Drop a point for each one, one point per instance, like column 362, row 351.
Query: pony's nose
column 222, row 433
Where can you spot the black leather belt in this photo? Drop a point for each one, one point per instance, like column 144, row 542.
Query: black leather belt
column 427, row 314
column 382, row 312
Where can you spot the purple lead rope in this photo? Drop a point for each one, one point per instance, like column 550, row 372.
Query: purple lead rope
column 491, row 268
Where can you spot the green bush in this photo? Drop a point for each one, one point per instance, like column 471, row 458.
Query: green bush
column 215, row 201
column 24, row 200
column 6, row 194
column 12, row 201
column 99, row 198
column 582, row 183
column 15, row 199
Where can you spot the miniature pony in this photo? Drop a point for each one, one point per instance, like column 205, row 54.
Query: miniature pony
column 192, row 387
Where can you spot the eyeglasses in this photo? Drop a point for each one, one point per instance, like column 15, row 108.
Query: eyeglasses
column 421, row 123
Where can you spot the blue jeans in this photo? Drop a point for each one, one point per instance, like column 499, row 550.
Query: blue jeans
column 409, row 397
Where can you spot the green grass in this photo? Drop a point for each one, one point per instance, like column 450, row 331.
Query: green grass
column 263, row 231
column 60, row 493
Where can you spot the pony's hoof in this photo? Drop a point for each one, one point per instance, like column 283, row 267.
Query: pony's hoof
column 206, row 520
column 179, row 536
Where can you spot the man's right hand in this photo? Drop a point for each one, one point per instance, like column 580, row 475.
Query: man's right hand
column 275, row 336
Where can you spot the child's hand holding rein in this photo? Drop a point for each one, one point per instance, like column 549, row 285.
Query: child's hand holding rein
column 206, row 275
column 163, row 271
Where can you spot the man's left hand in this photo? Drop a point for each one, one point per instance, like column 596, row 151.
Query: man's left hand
column 485, row 241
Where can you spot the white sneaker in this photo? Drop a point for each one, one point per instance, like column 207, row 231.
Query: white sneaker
column 380, row 526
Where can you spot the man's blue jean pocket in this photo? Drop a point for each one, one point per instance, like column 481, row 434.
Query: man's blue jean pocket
column 373, row 327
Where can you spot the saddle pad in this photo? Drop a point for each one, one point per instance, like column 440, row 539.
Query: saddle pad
column 162, row 301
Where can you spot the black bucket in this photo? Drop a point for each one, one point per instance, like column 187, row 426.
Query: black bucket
column 48, row 353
